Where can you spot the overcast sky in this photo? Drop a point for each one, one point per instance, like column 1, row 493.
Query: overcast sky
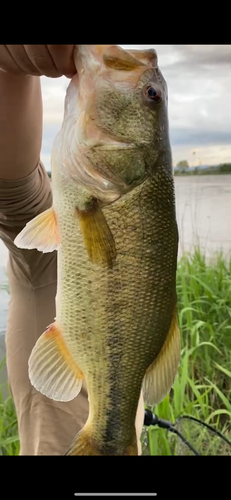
column 199, row 87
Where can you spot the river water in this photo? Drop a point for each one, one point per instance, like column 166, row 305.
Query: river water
column 203, row 208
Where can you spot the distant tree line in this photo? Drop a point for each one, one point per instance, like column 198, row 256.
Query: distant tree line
column 183, row 169
column 181, row 165
column 224, row 167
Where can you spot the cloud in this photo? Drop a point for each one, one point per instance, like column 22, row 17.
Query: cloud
column 53, row 91
column 50, row 130
column 199, row 137
column 201, row 155
column 193, row 56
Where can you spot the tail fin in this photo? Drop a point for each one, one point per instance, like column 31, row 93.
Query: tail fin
column 84, row 444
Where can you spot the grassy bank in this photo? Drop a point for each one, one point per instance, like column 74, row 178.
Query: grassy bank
column 9, row 442
column 203, row 385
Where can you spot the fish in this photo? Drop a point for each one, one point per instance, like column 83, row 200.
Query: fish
column 113, row 224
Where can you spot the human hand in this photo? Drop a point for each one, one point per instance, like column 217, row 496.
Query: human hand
column 38, row 60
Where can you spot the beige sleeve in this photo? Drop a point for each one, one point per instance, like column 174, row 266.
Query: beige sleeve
column 20, row 201
column 46, row 427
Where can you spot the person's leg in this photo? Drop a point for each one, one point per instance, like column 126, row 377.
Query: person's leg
column 46, row 427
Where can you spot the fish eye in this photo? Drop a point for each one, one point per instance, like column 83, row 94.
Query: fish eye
column 152, row 94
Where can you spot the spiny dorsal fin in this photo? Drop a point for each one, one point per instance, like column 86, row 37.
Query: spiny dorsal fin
column 116, row 58
column 147, row 56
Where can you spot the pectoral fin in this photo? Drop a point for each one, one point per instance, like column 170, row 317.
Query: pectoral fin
column 41, row 233
column 52, row 370
column 97, row 235
column 161, row 373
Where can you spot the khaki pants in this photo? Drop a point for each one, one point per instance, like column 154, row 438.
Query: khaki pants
column 46, row 427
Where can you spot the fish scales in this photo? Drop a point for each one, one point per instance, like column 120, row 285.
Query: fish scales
column 102, row 312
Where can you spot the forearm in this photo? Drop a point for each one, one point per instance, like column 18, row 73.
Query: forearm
column 20, row 125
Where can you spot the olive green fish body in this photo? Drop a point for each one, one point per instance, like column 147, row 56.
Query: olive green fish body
column 114, row 321
column 113, row 223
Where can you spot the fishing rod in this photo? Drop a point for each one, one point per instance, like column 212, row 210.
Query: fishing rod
column 152, row 419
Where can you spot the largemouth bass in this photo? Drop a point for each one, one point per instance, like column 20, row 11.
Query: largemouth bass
column 113, row 223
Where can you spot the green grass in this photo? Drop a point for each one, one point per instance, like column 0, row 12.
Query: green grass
column 203, row 385
column 9, row 442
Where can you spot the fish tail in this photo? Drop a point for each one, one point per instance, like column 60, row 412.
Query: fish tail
column 84, row 444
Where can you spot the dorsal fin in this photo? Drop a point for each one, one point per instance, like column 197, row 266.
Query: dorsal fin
column 117, row 58
column 147, row 56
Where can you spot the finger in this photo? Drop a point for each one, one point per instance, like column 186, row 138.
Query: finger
column 7, row 62
column 62, row 56
column 22, row 60
column 42, row 60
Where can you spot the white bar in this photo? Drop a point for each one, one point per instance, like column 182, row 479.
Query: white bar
column 116, row 494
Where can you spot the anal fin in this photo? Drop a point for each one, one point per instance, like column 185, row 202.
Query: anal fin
column 161, row 374
column 52, row 370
